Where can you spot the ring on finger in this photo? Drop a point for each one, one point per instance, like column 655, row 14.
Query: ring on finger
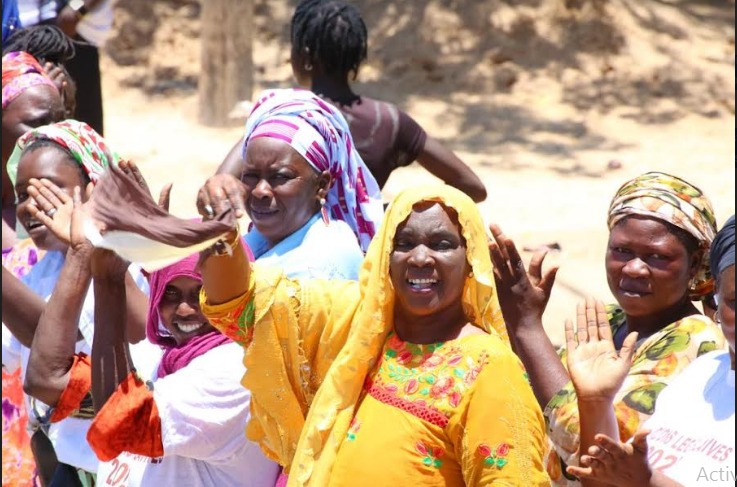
column 50, row 213
column 210, row 211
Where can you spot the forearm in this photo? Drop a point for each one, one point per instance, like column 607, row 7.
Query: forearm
column 111, row 362
column 137, row 311
column 596, row 418
column 233, row 163
column 547, row 373
column 21, row 309
column 444, row 164
column 226, row 277
column 52, row 353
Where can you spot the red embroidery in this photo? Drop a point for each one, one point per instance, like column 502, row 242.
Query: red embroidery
column 420, row 411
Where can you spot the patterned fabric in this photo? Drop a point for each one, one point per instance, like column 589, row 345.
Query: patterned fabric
column 675, row 201
column 452, row 414
column 320, row 134
column 658, row 361
column 84, row 144
column 20, row 72
column 21, row 257
column 19, row 466
column 333, row 335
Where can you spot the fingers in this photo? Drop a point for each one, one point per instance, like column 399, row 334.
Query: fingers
column 581, row 473
column 517, row 264
column 640, row 441
column 220, row 193
column 591, row 324
column 88, row 191
column 571, row 343
column 131, row 169
column 583, row 334
column 204, row 206
column 548, row 281
column 501, row 265
column 48, row 196
column 499, row 238
column 609, row 446
column 40, row 215
column 602, row 319
column 165, row 197
column 77, row 230
column 536, row 266
column 629, row 348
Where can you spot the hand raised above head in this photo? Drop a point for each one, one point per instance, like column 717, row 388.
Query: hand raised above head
column 523, row 294
column 596, row 368
column 220, row 193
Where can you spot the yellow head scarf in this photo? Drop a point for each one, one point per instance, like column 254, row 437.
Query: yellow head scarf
column 334, row 406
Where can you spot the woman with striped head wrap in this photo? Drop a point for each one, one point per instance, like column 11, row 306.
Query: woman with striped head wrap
column 661, row 228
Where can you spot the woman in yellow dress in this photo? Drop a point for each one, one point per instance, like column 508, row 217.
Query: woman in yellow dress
column 405, row 378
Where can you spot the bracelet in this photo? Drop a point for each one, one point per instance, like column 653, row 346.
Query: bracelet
column 223, row 248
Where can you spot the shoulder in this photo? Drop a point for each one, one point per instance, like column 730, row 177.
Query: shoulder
column 334, row 251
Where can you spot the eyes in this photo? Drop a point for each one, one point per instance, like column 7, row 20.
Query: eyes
column 403, row 244
column 624, row 253
column 174, row 295
column 252, row 179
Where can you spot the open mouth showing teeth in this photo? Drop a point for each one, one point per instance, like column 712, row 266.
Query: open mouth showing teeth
column 264, row 212
column 189, row 328
column 33, row 224
column 422, row 284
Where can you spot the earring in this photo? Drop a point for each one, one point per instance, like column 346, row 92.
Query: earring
column 324, row 210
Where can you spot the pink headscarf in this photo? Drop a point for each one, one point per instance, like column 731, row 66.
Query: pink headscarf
column 320, row 134
column 20, row 72
column 177, row 357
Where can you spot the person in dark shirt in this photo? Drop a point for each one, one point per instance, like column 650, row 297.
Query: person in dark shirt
column 329, row 44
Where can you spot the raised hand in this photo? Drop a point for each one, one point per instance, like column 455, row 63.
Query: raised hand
column 130, row 169
column 220, row 193
column 522, row 294
column 596, row 369
column 615, row 463
column 53, row 207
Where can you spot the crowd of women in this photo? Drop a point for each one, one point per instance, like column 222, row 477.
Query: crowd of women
column 335, row 342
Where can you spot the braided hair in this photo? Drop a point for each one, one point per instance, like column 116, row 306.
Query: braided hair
column 332, row 34
column 47, row 43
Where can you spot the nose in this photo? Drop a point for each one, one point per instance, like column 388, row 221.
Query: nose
column 636, row 269
column 421, row 257
column 262, row 190
column 186, row 308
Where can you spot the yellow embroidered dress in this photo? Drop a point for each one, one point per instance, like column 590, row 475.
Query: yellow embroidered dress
column 339, row 400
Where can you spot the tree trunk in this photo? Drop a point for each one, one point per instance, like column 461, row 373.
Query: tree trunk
column 227, row 59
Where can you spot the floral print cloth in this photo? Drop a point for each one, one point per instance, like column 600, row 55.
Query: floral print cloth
column 658, row 361
column 19, row 466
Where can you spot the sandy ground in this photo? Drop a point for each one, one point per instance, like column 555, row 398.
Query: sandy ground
column 540, row 108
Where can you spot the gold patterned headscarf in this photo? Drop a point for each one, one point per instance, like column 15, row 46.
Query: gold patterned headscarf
column 335, row 404
column 675, row 201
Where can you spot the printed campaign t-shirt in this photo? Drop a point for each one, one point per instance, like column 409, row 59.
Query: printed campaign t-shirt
column 692, row 430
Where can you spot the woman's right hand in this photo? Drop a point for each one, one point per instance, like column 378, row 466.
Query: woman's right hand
column 596, row 369
column 220, row 193
column 55, row 209
column 523, row 295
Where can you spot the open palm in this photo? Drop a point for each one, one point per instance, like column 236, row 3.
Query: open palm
column 595, row 367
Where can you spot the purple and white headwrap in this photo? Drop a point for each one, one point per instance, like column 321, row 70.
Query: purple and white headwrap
column 320, row 134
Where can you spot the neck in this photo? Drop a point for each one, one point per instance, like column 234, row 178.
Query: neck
column 649, row 325
column 338, row 90
column 438, row 327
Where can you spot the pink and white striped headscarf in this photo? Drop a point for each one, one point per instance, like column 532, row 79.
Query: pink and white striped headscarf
column 320, row 134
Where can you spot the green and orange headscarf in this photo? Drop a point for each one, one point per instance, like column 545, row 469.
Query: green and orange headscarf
column 87, row 147
column 674, row 201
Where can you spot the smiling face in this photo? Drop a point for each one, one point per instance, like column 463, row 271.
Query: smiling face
column 37, row 106
column 649, row 268
column 180, row 310
column 429, row 265
column 726, row 304
column 58, row 166
column 283, row 190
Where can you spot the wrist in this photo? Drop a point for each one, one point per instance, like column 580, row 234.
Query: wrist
column 594, row 402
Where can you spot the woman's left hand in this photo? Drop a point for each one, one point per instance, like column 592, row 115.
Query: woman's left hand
column 616, row 463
